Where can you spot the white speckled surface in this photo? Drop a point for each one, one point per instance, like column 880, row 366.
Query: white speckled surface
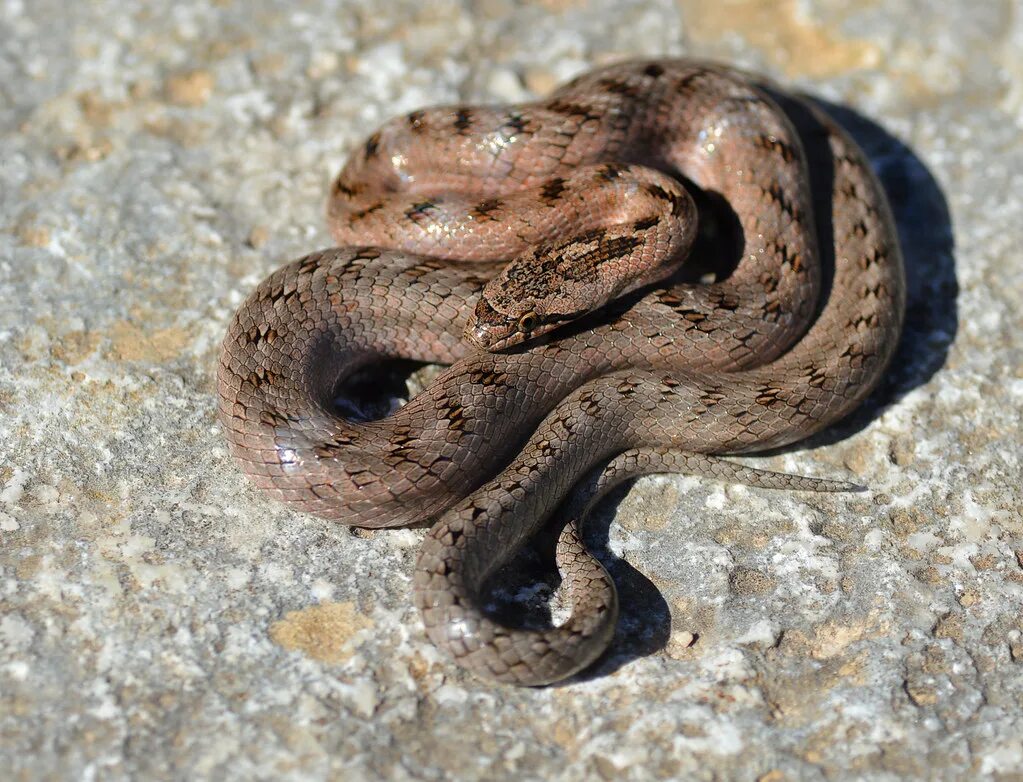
column 159, row 619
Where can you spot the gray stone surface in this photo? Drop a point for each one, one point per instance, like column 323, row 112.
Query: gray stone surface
column 159, row 619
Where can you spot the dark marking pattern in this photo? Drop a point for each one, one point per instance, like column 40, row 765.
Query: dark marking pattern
column 372, row 145
column 416, row 122
column 552, row 190
column 485, row 210
column 463, row 121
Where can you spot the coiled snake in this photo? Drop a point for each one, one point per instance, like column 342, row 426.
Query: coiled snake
column 582, row 192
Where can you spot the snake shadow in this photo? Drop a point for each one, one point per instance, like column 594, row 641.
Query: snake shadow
column 927, row 241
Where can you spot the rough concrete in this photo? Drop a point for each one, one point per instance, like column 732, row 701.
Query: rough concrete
column 159, row 619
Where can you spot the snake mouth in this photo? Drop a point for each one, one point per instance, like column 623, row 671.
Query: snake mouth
column 484, row 339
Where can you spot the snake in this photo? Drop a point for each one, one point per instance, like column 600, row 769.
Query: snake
column 547, row 254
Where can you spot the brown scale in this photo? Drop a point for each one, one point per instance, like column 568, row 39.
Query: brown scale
column 667, row 379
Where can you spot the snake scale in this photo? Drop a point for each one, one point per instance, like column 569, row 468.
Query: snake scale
column 551, row 398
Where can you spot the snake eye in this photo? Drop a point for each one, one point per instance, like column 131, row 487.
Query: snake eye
column 528, row 322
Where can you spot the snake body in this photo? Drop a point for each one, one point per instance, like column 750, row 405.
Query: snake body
column 663, row 378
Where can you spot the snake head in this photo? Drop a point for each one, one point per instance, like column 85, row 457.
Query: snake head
column 532, row 296
column 553, row 284
column 491, row 329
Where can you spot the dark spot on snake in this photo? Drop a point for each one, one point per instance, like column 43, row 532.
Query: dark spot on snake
column 744, row 101
column 814, row 375
column 593, row 235
column 309, row 264
column 654, row 71
column 790, row 259
column 610, row 171
column 463, row 121
column 678, row 204
column 262, row 333
column 606, row 249
column 712, row 397
column 567, row 423
column 779, row 196
column 260, row 377
column 572, row 109
column 402, row 436
column 854, row 324
column 484, row 209
column 419, row 210
column 424, row 267
column 360, row 258
column 272, row 417
column 280, row 294
column 516, row 122
column 372, row 145
column 770, row 282
column 621, row 87
column 452, row 535
column 545, row 447
column 877, row 256
column 362, row 478
column 415, row 121
column 725, row 301
column 343, row 189
column 438, row 461
column 853, row 349
column 400, row 446
column 552, row 190
column 669, row 299
column 645, row 223
column 328, row 450
column 487, row 376
column 367, row 211
column 686, row 82
column 455, row 415
column 775, row 144
column 627, row 387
